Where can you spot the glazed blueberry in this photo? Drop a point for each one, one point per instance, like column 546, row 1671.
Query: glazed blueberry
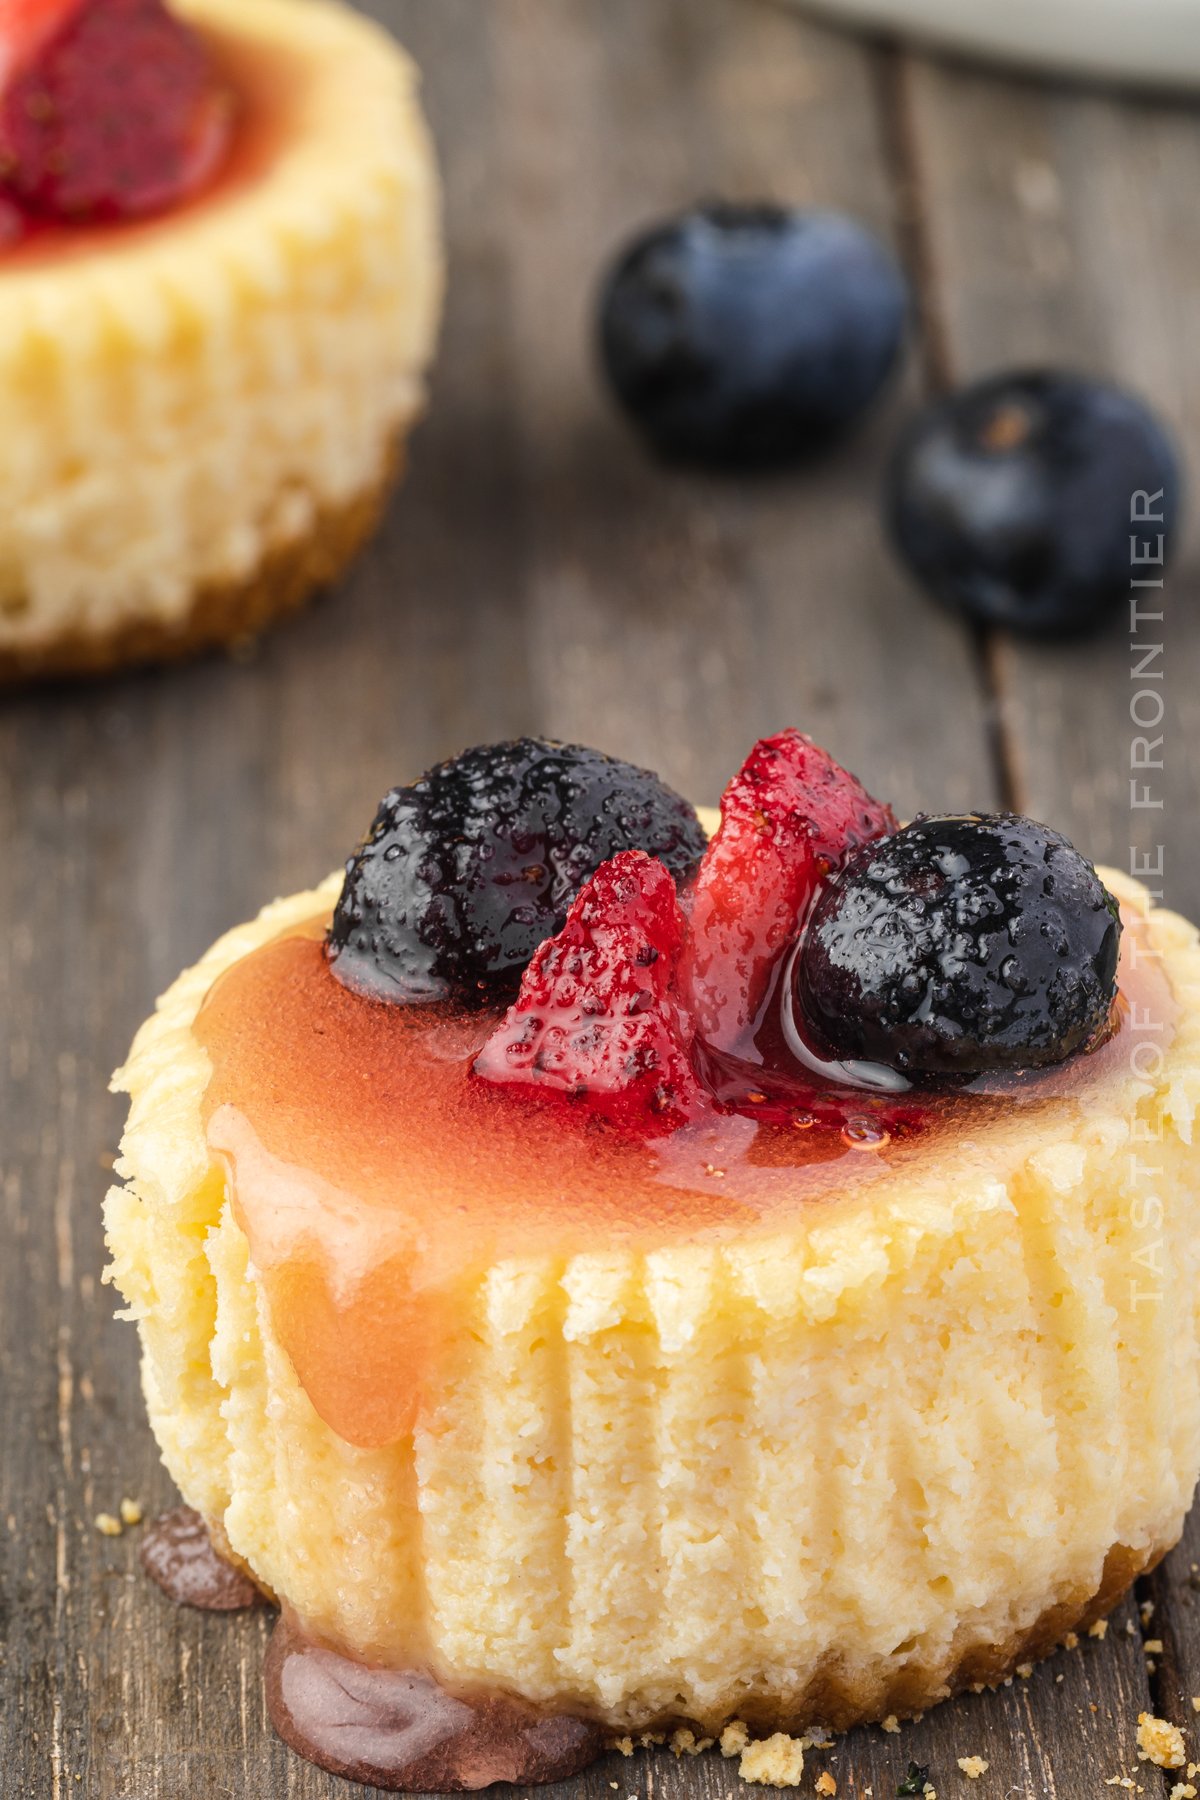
column 747, row 337
column 465, row 872
column 961, row 946
column 1012, row 500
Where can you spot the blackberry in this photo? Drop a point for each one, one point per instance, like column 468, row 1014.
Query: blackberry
column 748, row 337
column 465, row 872
column 961, row 946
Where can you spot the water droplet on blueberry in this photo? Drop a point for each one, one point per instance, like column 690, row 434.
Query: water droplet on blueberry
column 993, row 974
column 466, row 871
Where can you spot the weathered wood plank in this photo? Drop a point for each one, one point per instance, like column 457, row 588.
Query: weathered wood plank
column 1059, row 230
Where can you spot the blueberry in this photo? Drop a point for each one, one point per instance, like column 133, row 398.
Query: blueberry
column 747, row 337
column 1011, row 500
column 961, row 946
column 465, row 872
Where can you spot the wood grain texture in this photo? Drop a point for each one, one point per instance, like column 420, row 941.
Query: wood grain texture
column 538, row 573
column 1057, row 228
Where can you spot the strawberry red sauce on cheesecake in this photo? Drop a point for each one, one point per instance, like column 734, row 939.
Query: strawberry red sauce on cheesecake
column 381, row 1157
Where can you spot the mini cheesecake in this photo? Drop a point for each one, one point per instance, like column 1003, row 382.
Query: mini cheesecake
column 206, row 406
column 776, row 1386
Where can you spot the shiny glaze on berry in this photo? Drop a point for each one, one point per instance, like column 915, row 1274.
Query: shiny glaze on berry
column 466, row 871
column 961, row 946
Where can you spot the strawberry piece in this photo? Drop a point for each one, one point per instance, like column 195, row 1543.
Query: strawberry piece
column 596, row 1018
column 25, row 26
column 788, row 819
column 118, row 112
column 12, row 222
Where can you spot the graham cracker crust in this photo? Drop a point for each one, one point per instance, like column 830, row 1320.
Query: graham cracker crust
column 833, row 1698
column 224, row 613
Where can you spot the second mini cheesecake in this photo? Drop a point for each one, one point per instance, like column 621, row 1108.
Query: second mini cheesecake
column 207, row 406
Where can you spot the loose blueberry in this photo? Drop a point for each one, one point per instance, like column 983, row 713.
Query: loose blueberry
column 468, row 870
column 747, row 337
column 1013, row 500
column 961, row 946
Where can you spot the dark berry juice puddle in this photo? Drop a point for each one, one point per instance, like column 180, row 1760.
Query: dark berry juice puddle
column 399, row 1729
column 178, row 1554
column 396, row 1729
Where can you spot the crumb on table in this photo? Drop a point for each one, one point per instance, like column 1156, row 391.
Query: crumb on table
column 776, row 1761
column 1160, row 1742
column 686, row 1743
column 734, row 1738
column 972, row 1767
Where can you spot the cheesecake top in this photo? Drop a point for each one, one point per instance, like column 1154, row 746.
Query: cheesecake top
column 385, row 1148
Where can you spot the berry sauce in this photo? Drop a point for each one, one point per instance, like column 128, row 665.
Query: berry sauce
column 376, row 1180
column 402, row 1730
column 179, row 1554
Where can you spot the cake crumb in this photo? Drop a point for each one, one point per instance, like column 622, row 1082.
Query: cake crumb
column 777, row 1761
column 1193, row 1769
column 1146, row 1609
column 1024, row 1670
column 107, row 1525
column 624, row 1745
column 1183, row 1790
column 686, row 1743
column 1071, row 1641
column 1153, row 1646
column 650, row 1740
column 1196, row 1702
column 825, row 1784
column 972, row 1767
column 1099, row 1629
column 131, row 1512
column 891, row 1723
column 734, row 1738
column 1160, row 1742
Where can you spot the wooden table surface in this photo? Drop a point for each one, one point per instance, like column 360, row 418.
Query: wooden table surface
column 537, row 573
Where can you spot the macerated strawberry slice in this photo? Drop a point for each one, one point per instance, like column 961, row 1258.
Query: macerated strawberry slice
column 109, row 109
column 787, row 820
column 596, row 1018
column 25, row 25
